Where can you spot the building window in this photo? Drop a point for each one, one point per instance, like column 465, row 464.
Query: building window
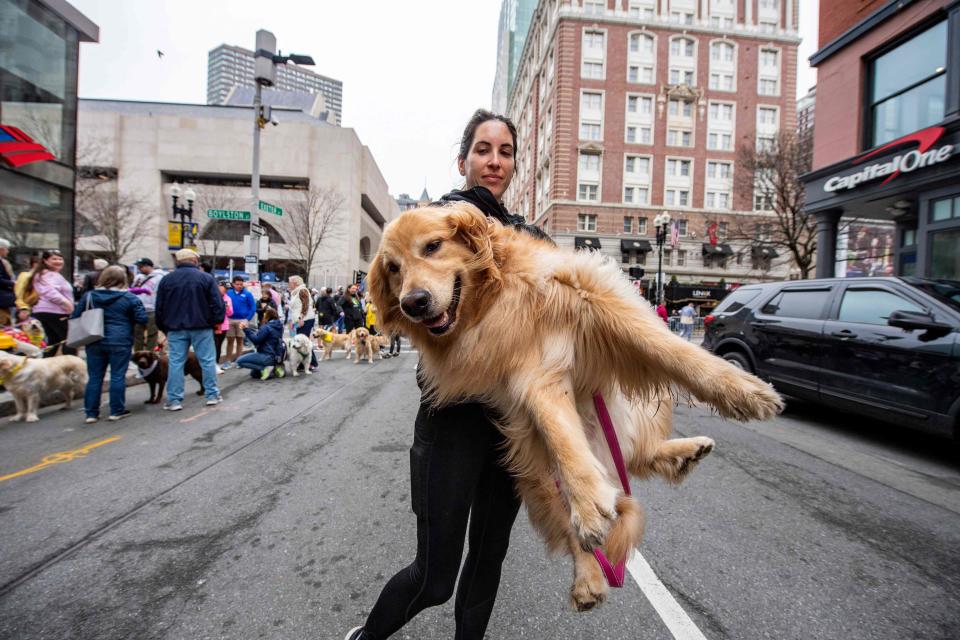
column 765, row 143
column 682, row 228
column 586, row 222
column 767, row 115
column 762, row 202
column 641, row 43
column 681, row 76
column 627, row 224
column 637, row 165
column 679, row 168
column 590, row 131
column 640, row 104
column 594, row 7
column 681, row 108
column 722, row 230
column 719, row 170
column 639, row 135
column 642, row 226
column 720, row 141
column 588, row 192
column 682, row 47
column 721, row 112
column 679, row 138
column 908, row 86
column 681, row 258
column 945, row 209
column 718, row 200
column 677, row 198
column 592, row 70
column 681, row 17
column 636, row 195
column 721, row 81
column 721, row 52
column 770, row 58
column 768, row 87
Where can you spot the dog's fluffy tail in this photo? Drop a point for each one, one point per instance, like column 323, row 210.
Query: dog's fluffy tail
column 627, row 530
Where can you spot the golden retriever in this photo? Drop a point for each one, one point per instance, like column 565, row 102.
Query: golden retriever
column 328, row 341
column 363, row 344
column 27, row 379
column 534, row 331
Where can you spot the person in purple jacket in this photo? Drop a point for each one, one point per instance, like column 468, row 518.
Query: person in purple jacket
column 55, row 300
column 244, row 309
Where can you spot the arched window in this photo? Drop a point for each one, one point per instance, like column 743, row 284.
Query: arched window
column 641, row 43
column 722, row 52
column 234, row 230
column 365, row 249
column 682, row 47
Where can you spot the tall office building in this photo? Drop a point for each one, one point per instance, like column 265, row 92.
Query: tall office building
column 511, row 36
column 631, row 108
column 228, row 66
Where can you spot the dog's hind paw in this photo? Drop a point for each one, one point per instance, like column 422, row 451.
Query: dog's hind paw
column 591, row 520
column 588, row 592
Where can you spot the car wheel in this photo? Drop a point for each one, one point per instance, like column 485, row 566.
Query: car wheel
column 738, row 360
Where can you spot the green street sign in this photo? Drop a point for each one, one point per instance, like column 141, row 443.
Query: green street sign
column 227, row 214
column 270, row 208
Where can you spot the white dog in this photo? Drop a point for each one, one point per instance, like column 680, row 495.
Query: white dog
column 299, row 351
column 27, row 379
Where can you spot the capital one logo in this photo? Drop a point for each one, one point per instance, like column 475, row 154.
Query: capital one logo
column 925, row 155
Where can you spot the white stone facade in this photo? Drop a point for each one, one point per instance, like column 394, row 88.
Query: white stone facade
column 210, row 149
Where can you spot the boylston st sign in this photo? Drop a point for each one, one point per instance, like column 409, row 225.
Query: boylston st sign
column 227, row 214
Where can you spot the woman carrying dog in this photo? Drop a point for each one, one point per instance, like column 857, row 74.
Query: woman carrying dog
column 121, row 311
column 456, row 469
column 51, row 297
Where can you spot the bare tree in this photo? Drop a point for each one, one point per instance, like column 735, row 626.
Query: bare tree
column 111, row 221
column 311, row 215
column 772, row 173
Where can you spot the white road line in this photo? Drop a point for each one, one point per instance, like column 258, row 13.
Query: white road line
column 673, row 615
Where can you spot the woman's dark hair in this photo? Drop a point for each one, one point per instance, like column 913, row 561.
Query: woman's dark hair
column 270, row 314
column 40, row 267
column 478, row 118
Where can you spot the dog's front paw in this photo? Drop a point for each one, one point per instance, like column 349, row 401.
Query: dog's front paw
column 589, row 588
column 743, row 396
column 16, row 418
column 32, row 418
column 296, row 374
column 591, row 519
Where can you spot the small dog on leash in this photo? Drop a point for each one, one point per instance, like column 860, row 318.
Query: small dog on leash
column 154, row 367
column 299, row 352
column 27, row 379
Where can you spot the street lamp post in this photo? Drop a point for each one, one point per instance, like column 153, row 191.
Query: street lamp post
column 265, row 61
column 662, row 225
column 184, row 213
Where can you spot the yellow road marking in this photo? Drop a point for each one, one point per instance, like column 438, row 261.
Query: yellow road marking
column 199, row 415
column 62, row 456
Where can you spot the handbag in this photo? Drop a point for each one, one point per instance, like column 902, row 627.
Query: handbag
column 86, row 329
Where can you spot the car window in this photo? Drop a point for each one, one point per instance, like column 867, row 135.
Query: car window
column 797, row 304
column 737, row 300
column 872, row 306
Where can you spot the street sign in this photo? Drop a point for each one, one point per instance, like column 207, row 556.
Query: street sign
column 269, row 208
column 227, row 214
column 250, row 259
column 257, row 230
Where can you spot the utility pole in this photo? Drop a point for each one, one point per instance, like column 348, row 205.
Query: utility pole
column 264, row 74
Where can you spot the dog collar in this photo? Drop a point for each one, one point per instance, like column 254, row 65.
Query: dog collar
column 14, row 371
column 145, row 372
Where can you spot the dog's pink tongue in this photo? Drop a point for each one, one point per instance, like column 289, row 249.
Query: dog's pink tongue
column 436, row 322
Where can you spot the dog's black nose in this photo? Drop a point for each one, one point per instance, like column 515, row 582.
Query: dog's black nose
column 416, row 303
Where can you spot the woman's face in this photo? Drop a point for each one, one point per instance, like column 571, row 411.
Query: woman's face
column 489, row 162
column 54, row 263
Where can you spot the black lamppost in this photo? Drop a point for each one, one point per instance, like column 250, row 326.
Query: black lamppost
column 184, row 213
column 662, row 225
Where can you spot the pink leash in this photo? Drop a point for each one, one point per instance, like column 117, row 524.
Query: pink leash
column 613, row 574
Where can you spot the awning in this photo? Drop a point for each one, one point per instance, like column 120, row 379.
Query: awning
column 725, row 249
column 635, row 245
column 711, row 250
column 579, row 242
column 763, row 252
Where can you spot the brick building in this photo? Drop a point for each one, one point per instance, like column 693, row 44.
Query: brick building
column 630, row 108
column 888, row 129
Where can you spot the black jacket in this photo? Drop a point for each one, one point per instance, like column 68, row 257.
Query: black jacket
column 327, row 310
column 353, row 315
column 7, row 298
column 482, row 199
column 188, row 299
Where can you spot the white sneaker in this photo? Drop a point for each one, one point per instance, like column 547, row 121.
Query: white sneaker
column 90, row 420
column 214, row 401
column 353, row 633
column 219, row 371
column 172, row 407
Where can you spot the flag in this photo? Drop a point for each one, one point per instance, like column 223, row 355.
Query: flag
column 712, row 233
column 675, row 235
column 18, row 149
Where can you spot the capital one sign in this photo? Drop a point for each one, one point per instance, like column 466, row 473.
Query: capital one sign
column 925, row 155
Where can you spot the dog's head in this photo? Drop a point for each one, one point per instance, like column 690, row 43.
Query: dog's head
column 144, row 359
column 8, row 364
column 361, row 335
column 33, row 328
column 434, row 268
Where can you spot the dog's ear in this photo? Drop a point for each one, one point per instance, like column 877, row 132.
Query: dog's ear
column 471, row 227
column 378, row 283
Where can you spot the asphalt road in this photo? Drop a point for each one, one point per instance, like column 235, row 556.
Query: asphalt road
column 281, row 513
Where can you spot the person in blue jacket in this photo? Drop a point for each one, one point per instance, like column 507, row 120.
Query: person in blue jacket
column 244, row 309
column 269, row 343
column 121, row 311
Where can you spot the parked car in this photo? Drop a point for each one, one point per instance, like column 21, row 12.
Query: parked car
column 887, row 348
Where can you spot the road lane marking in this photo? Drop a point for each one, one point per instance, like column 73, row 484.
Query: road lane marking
column 199, row 415
column 62, row 456
column 673, row 615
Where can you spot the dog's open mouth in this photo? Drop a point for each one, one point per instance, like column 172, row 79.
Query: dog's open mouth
column 439, row 325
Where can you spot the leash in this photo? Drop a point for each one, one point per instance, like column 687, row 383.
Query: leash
column 613, row 574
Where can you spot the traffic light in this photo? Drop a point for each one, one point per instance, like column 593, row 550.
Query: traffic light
column 359, row 276
column 636, row 273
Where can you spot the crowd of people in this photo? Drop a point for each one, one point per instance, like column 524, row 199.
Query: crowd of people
column 183, row 311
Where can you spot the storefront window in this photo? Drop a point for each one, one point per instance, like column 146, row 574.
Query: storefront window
column 908, row 86
column 34, row 215
column 945, row 209
column 38, row 75
column 945, row 254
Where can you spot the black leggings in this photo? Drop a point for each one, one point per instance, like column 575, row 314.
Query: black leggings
column 55, row 326
column 395, row 342
column 455, row 472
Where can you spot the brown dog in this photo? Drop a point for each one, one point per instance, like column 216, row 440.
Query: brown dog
column 155, row 368
column 451, row 279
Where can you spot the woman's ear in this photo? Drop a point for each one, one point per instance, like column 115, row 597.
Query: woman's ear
column 461, row 167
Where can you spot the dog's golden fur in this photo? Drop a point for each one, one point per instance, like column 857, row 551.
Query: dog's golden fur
column 534, row 331
column 328, row 341
column 37, row 377
column 363, row 343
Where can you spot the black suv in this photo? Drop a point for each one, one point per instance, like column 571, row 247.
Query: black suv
column 888, row 348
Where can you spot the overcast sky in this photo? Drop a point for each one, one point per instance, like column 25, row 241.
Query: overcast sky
column 412, row 72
